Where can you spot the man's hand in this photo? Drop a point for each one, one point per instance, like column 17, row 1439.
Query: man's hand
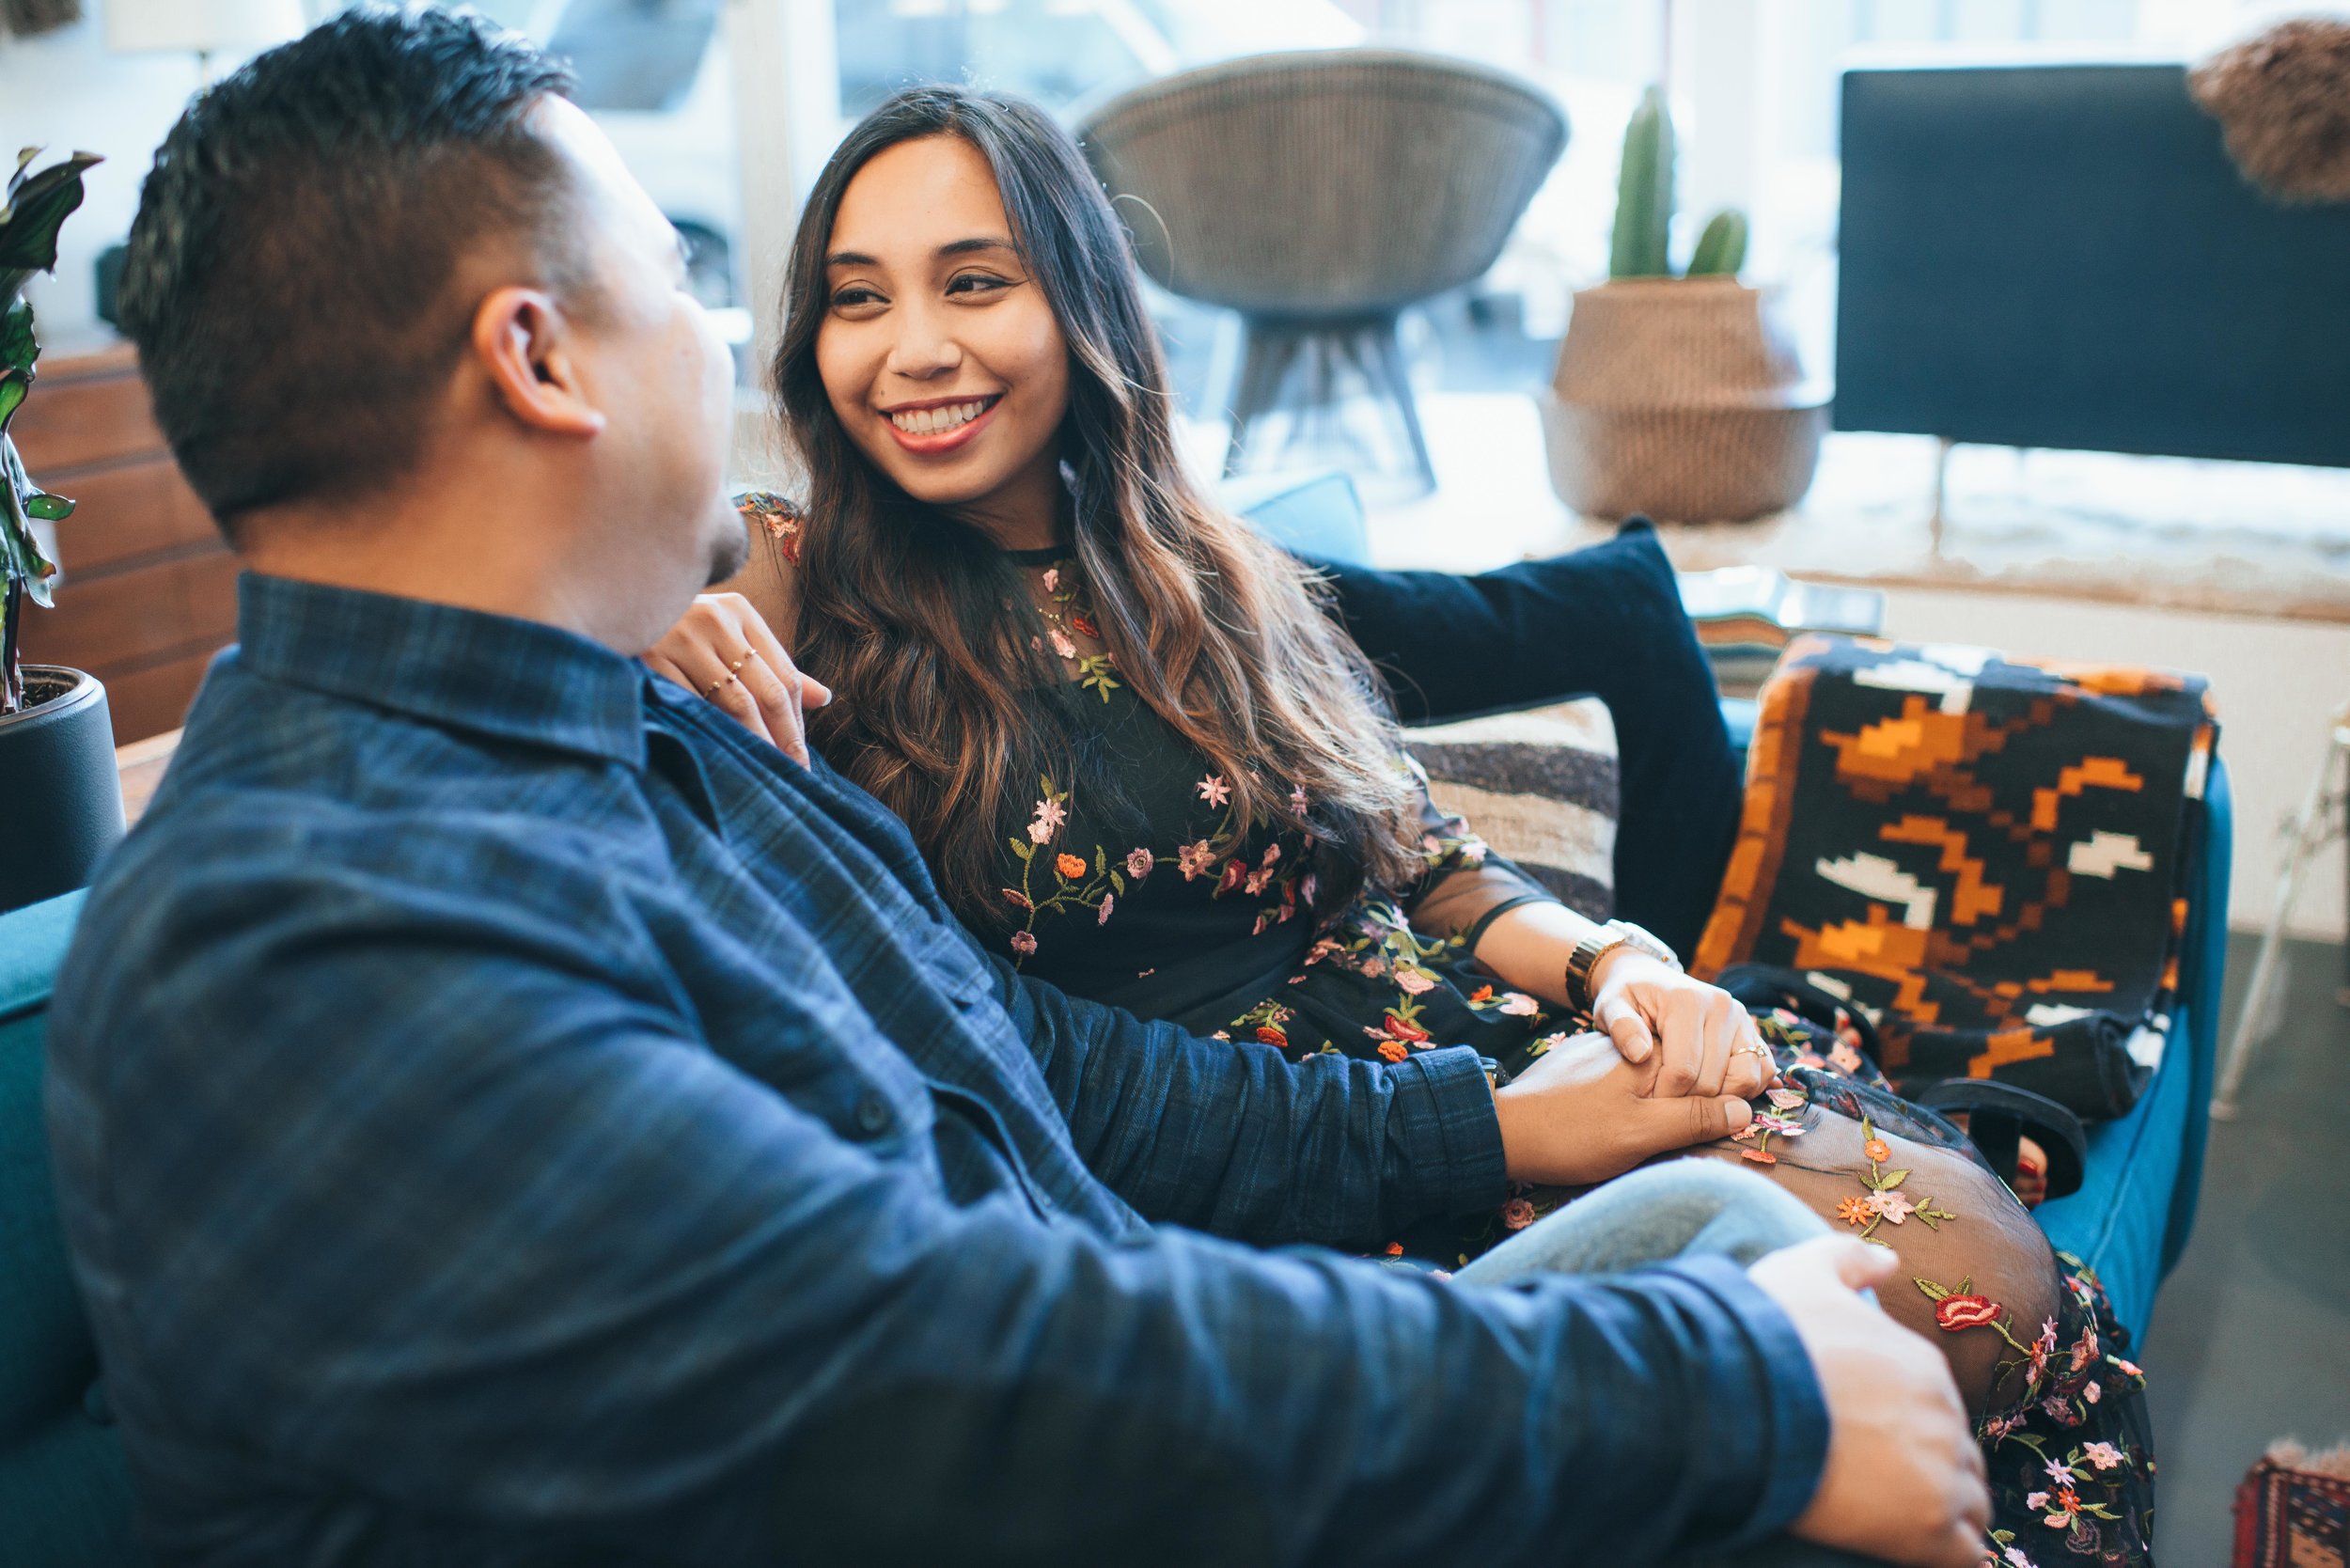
column 1582, row 1114
column 1703, row 1041
column 723, row 648
column 1904, row 1480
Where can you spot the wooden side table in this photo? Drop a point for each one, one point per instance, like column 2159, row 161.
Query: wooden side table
column 149, row 589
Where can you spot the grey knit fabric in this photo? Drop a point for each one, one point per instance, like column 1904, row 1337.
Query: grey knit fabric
column 1323, row 182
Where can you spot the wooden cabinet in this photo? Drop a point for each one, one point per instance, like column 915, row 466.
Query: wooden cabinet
column 149, row 589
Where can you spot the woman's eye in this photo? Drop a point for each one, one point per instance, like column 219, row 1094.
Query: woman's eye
column 976, row 283
column 850, row 298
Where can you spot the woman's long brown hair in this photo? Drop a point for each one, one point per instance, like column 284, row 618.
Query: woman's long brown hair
column 947, row 713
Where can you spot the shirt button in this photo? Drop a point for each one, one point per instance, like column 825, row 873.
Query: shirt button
column 872, row 1116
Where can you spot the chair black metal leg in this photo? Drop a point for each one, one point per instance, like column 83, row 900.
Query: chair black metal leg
column 1264, row 363
column 1399, row 380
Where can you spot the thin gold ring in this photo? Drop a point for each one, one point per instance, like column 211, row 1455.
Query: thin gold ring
column 734, row 673
column 1751, row 1049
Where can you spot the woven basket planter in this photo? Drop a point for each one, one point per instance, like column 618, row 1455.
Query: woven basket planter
column 1678, row 398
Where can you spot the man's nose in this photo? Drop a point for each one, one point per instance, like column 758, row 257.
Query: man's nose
column 925, row 347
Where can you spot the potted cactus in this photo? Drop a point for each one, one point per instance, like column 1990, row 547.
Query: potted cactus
column 1676, row 396
column 56, row 740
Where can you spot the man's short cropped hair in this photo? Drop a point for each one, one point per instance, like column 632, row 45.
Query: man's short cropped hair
column 289, row 282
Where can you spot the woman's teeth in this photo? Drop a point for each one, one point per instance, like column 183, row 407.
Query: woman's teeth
column 930, row 421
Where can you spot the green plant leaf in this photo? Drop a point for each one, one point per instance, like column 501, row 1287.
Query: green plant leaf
column 1644, row 192
column 1722, row 248
column 18, row 346
column 1892, row 1180
column 36, row 209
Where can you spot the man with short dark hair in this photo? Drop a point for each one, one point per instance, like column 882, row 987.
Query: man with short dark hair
column 505, row 1113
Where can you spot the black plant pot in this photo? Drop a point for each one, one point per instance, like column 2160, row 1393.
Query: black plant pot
column 60, row 798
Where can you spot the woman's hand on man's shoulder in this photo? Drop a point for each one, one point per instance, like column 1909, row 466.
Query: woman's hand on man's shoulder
column 723, row 648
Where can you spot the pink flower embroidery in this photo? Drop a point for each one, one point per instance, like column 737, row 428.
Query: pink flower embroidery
column 1517, row 1214
column 1061, row 645
column 1892, row 1206
column 1138, row 863
column 1195, row 860
column 2059, row 1472
column 1844, row 1058
column 1787, row 1099
column 1306, row 887
column 2129, row 1368
column 2103, row 1455
column 1052, row 813
column 2016, row 1558
column 1297, row 800
column 2092, row 1393
column 1517, row 1004
column 2036, row 1501
column 1052, row 579
column 1109, row 902
column 1254, row 882
column 1023, row 942
column 1214, row 790
column 1272, row 856
column 1414, row 984
column 1040, row 832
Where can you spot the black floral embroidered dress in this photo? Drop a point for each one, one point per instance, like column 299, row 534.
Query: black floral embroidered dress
column 1150, row 903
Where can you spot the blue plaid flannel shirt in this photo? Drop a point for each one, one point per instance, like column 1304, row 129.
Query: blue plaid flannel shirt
column 505, row 1113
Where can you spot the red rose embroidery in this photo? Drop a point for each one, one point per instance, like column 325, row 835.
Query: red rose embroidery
column 1955, row 1312
column 1402, row 1030
column 1271, row 1034
column 1085, row 628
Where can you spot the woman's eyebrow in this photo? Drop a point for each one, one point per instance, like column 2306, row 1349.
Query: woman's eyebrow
column 953, row 247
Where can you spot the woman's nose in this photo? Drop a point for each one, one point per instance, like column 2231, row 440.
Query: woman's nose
column 925, row 347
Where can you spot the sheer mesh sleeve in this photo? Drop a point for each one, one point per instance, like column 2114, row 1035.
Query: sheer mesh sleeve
column 1466, row 884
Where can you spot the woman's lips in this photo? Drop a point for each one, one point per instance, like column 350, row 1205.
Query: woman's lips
column 945, row 441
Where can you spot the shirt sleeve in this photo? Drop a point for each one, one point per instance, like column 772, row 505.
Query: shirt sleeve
column 1232, row 1138
column 1465, row 884
column 437, row 1205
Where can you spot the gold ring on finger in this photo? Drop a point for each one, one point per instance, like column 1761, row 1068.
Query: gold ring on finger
column 719, row 686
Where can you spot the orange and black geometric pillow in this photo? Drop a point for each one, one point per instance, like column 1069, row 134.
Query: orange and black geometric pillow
column 1985, row 858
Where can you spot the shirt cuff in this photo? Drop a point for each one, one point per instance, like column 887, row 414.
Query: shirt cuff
column 1790, row 1435
column 1443, row 1140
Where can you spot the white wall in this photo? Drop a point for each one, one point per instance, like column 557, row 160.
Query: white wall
column 66, row 92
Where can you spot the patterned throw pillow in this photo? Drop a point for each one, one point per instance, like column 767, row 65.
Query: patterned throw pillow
column 1541, row 786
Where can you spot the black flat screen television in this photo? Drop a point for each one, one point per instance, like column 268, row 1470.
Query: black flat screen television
column 2064, row 256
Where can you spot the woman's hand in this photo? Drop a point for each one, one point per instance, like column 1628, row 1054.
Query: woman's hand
column 1706, row 1042
column 1580, row 1114
column 723, row 648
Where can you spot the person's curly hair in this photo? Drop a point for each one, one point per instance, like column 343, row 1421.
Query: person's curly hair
column 2282, row 98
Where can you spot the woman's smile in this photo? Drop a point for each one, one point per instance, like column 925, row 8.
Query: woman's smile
column 942, row 424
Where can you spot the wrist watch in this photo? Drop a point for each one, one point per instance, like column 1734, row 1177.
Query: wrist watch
column 1602, row 941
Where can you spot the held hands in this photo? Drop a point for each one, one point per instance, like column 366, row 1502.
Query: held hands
column 1700, row 1040
column 723, row 650
column 1582, row 1113
column 1904, row 1480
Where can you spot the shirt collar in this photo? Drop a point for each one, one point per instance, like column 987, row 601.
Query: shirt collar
column 465, row 669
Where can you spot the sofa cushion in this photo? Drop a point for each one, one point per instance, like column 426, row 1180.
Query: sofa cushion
column 65, row 1493
column 1539, row 786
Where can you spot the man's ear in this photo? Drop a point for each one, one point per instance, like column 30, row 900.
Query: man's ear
column 523, row 343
